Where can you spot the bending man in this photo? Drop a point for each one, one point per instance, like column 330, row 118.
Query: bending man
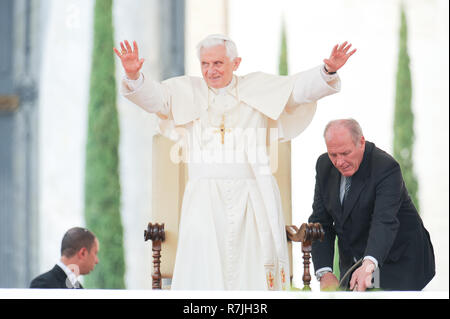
column 361, row 198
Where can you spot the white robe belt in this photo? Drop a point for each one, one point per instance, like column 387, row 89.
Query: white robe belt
column 220, row 171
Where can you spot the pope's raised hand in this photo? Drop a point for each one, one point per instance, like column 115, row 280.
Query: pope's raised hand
column 130, row 59
column 339, row 55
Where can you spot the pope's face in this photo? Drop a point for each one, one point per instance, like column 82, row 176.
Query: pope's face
column 342, row 151
column 217, row 68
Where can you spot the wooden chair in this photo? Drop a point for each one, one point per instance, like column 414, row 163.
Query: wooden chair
column 155, row 233
column 307, row 234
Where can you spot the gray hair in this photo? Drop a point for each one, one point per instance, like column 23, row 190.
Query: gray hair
column 218, row 39
column 352, row 125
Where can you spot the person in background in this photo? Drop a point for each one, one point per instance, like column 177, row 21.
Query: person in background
column 79, row 249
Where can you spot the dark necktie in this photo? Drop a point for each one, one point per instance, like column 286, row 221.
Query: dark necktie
column 348, row 183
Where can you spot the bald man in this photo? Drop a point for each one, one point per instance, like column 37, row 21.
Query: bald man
column 361, row 198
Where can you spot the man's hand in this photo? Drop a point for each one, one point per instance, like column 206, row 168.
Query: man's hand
column 130, row 59
column 329, row 282
column 362, row 277
column 339, row 55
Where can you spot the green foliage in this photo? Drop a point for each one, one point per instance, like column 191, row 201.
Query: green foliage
column 403, row 116
column 283, row 63
column 336, row 270
column 102, row 184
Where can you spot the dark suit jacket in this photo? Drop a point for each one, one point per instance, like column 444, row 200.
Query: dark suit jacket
column 55, row 278
column 379, row 220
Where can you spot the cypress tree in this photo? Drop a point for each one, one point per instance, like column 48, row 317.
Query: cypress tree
column 403, row 116
column 102, row 185
column 283, row 63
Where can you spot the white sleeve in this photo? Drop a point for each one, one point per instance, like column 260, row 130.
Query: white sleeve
column 322, row 271
column 150, row 95
column 372, row 259
column 314, row 84
column 133, row 85
column 328, row 77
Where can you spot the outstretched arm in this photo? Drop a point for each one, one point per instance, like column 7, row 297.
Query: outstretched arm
column 322, row 81
column 145, row 93
column 130, row 59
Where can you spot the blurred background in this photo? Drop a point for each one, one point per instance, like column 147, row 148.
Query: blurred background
column 49, row 63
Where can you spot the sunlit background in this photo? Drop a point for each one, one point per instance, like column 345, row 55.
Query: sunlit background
column 51, row 55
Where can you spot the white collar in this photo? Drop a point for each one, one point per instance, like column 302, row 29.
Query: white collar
column 70, row 274
column 228, row 88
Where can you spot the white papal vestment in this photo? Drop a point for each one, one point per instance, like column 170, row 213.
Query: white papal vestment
column 232, row 232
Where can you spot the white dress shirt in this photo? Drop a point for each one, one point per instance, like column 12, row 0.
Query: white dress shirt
column 70, row 274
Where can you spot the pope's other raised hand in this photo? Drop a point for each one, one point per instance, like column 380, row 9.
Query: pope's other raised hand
column 339, row 55
column 130, row 59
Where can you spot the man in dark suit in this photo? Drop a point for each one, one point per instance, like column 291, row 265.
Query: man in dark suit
column 361, row 198
column 79, row 250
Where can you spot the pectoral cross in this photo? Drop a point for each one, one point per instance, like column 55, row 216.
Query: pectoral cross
column 222, row 130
